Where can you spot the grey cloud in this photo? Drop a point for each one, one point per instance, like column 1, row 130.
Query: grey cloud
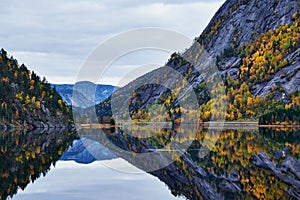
column 72, row 29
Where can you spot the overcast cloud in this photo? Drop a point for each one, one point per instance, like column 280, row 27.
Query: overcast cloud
column 54, row 37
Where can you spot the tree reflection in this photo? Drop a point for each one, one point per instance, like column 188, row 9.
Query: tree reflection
column 25, row 156
column 226, row 172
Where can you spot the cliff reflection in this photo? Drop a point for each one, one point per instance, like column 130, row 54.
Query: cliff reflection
column 193, row 166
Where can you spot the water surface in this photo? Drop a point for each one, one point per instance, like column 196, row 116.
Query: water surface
column 95, row 181
column 201, row 164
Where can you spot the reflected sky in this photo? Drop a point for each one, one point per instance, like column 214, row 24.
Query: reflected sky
column 70, row 180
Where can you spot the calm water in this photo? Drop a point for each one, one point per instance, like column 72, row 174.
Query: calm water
column 201, row 164
column 70, row 180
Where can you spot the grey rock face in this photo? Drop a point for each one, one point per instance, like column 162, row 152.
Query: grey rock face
column 288, row 78
column 250, row 19
column 236, row 23
column 241, row 22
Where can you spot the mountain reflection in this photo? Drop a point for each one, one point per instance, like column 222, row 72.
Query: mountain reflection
column 25, row 156
column 242, row 164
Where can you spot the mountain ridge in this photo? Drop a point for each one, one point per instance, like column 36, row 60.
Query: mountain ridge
column 240, row 21
column 257, row 78
column 83, row 100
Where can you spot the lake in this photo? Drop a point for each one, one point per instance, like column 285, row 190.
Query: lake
column 153, row 163
column 70, row 180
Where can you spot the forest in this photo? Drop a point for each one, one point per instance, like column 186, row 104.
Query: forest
column 25, row 97
column 260, row 61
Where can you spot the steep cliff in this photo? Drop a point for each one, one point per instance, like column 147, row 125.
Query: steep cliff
column 255, row 45
column 240, row 21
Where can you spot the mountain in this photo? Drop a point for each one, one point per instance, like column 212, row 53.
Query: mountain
column 238, row 22
column 79, row 151
column 27, row 100
column 84, row 97
column 244, row 64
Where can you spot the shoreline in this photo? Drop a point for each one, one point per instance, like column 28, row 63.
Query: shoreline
column 211, row 124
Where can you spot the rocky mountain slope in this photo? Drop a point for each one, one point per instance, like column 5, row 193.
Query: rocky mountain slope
column 255, row 45
column 240, row 21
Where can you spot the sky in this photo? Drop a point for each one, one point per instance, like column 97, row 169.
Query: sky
column 54, row 38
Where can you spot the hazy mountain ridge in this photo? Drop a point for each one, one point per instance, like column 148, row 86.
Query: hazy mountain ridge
column 83, row 97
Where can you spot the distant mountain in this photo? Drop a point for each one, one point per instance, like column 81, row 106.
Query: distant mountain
column 84, row 97
column 79, row 151
column 255, row 47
